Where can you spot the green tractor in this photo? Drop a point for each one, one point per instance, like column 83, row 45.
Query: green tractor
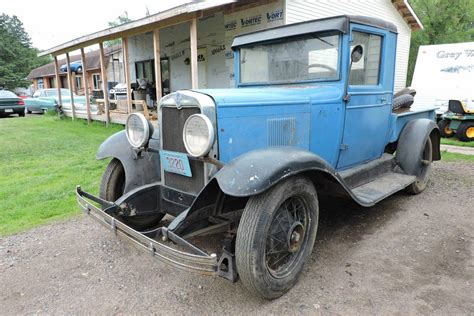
column 457, row 120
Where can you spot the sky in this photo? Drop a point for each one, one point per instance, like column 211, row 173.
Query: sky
column 50, row 23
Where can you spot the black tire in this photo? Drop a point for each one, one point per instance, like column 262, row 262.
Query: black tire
column 465, row 132
column 112, row 187
column 403, row 101
column 409, row 91
column 29, row 112
column 79, row 69
column 21, row 114
column 444, row 129
column 424, row 171
column 261, row 222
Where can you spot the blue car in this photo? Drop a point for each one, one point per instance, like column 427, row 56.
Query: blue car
column 313, row 114
column 76, row 66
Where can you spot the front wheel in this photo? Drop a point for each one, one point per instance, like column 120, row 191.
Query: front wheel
column 444, row 129
column 424, row 171
column 275, row 237
column 113, row 186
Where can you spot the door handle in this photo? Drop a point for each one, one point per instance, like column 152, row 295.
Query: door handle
column 383, row 99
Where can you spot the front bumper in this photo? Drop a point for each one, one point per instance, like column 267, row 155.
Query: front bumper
column 191, row 259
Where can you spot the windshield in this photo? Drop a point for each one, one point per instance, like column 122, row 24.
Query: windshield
column 313, row 57
column 54, row 93
column 7, row 94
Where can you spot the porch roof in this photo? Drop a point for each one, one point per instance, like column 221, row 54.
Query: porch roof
column 175, row 15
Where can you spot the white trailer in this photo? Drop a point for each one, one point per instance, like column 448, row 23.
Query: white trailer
column 444, row 72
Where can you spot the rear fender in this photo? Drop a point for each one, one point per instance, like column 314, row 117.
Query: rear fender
column 411, row 143
column 141, row 167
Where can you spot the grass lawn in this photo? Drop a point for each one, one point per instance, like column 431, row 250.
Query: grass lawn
column 446, row 156
column 455, row 142
column 42, row 159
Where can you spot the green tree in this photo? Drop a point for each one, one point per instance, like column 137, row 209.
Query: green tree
column 444, row 22
column 121, row 19
column 17, row 55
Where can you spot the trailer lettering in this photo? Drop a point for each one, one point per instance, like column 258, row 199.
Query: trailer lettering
column 444, row 54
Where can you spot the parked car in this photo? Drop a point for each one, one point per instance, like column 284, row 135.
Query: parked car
column 10, row 103
column 313, row 114
column 47, row 99
column 76, row 66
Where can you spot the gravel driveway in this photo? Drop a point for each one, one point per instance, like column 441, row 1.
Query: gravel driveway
column 409, row 254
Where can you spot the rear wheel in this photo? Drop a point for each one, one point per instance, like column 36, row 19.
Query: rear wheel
column 444, row 129
column 465, row 132
column 21, row 114
column 113, row 186
column 275, row 237
column 424, row 170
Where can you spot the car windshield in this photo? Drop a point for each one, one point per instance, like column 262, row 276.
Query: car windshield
column 54, row 93
column 311, row 57
column 7, row 94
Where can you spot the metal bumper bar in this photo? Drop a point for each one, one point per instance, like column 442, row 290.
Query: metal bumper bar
column 194, row 260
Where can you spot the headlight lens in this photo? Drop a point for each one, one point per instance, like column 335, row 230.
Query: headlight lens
column 138, row 130
column 198, row 135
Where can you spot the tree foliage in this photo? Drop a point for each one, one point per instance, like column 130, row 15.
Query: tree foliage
column 17, row 55
column 444, row 22
column 121, row 19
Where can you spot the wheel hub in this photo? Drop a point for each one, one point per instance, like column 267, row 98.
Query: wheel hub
column 295, row 237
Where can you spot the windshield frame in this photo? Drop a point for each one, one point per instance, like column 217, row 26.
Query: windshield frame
column 237, row 63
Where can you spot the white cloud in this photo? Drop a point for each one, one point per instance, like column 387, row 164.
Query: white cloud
column 50, row 23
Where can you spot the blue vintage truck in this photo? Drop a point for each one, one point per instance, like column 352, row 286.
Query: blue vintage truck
column 312, row 114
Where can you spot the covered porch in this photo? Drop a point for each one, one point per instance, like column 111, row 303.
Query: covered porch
column 192, row 39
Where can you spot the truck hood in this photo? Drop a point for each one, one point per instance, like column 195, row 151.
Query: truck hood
column 274, row 95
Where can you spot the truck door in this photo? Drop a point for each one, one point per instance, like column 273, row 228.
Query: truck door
column 370, row 90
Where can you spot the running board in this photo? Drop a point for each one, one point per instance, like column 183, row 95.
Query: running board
column 381, row 187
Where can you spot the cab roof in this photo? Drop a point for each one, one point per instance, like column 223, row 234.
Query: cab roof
column 337, row 23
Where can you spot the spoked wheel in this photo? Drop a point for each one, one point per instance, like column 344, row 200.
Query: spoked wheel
column 286, row 236
column 424, row 172
column 113, row 186
column 275, row 237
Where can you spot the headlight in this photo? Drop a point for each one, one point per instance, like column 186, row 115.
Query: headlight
column 198, row 135
column 137, row 130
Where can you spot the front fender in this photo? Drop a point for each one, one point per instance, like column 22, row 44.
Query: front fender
column 258, row 170
column 140, row 168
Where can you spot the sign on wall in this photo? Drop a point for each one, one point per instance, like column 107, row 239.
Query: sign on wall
column 249, row 20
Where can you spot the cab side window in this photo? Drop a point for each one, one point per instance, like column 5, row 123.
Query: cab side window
column 367, row 70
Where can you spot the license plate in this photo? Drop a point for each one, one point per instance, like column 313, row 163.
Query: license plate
column 8, row 110
column 175, row 162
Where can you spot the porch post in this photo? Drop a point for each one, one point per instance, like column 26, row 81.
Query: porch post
column 69, row 80
column 127, row 73
column 103, row 75
column 86, row 85
column 194, row 61
column 156, row 45
column 58, row 79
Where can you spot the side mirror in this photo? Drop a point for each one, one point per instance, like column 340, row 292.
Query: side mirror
column 357, row 53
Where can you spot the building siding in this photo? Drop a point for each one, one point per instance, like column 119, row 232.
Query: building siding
column 298, row 11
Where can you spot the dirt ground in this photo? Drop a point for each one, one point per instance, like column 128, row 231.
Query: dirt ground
column 409, row 254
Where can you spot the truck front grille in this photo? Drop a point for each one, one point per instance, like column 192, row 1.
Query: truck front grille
column 172, row 134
